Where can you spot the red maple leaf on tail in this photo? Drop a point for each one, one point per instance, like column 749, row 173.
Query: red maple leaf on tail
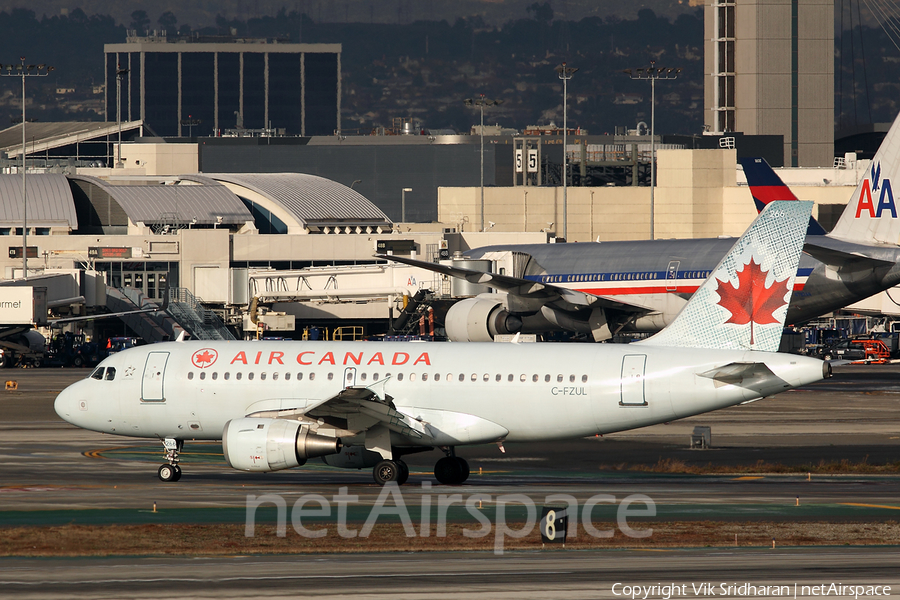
column 751, row 301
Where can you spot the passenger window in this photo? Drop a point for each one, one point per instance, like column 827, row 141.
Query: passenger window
column 262, row 376
column 238, row 375
column 374, row 376
column 399, row 376
column 547, row 378
column 571, row 379
column 312, row 376
column 299, row 376
column 190, row 374
column 486, row 377
column 462, row 377
column 523, row 377
column 424, row 376
column 202, row 374
column 226, row 376
column 274, row 376
column 287, row 376
column 215, row 376
column 412, row 376
column 98, row 373
column 511, row 377
column 110, row 373
column 535, row 378
column 250, row 376
column 559, row 378
column 330, row 376
column 437, row 376
column 362, row 377
column 498, row 377
column 584, row 379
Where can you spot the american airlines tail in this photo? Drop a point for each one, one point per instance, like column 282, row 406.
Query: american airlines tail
column 871, row 215
column 743, row 304
column 766, row 186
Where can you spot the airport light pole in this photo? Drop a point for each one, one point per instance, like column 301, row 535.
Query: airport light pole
column 403, row 204
column 22, row 70
column 481, row 102
column 565, row 73
column 120, row 75
column 653, row 73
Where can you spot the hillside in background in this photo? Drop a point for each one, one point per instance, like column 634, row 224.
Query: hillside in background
column 425, row 69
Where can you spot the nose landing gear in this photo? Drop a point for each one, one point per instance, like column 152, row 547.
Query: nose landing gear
column 171, row 471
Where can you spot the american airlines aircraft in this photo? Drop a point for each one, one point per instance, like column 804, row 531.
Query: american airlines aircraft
column 277, row 404
column 603, row 288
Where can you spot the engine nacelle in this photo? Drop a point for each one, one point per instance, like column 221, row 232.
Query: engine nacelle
column 272, row 444
column 353, row 457
column 479, row 319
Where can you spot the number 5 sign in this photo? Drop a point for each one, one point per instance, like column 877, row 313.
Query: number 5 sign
column 554, row 524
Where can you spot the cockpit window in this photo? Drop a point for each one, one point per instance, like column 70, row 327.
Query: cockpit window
column 98, row 373
column 110, row 373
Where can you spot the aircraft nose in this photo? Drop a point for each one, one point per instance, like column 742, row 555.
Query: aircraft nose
column 63, row 405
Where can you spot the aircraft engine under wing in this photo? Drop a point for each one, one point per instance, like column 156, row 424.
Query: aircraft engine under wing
column 527, row 307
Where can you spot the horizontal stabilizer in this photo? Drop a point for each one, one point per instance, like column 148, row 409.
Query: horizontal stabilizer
column 851, row 261
column 749, row 374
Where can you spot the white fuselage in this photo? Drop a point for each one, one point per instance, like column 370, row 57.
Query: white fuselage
column 463, row 393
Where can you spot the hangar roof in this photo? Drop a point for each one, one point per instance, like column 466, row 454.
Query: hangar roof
column 180, row 203
column 49, row 201
column 46, row 136
column 314, row 201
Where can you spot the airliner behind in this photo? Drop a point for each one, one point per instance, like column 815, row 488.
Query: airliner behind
column 601, row 289
column 277, row 404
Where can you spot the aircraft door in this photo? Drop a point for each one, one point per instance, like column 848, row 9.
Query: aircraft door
column 152, row 383
column 349, row 377
column 672, row 275
column 632, row 382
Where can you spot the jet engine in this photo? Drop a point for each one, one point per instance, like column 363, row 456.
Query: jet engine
column 479, row 319
column 273, row 444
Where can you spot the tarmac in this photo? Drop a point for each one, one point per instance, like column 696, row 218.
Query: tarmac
column 52, row 473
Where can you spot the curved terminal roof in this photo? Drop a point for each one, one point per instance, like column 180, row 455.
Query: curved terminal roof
column 205, row 204
column 49, row 199
column 315, row 202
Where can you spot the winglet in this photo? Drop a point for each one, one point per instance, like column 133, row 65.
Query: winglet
column 744, row 302
column 766, row 186
column 871, row 215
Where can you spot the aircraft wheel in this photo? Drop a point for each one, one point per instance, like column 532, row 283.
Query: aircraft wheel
column 448, row 470
column 464, row 469
column 167, row 473
column 177, row 473
column 404, row 472
column 386, row 471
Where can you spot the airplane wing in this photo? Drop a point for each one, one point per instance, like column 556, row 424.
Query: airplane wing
column 357, row 400
column 559, row 297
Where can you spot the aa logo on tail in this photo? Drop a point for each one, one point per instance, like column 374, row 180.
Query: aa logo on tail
column 869, row 188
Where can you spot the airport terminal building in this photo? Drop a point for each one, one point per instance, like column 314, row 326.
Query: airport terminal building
column 187, row 87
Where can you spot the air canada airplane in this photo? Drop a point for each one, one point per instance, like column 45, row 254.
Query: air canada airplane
column 276, row 404
column 600, row 289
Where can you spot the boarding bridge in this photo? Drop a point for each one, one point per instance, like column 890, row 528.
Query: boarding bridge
column 344, row 292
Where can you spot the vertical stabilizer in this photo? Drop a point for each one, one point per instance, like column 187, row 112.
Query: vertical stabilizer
column 871, row 215
column 744, row 301
column 766, row 186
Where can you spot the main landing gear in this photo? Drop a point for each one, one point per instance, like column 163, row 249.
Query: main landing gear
column 171, row 471
column 390, row 470
column 451, row 470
